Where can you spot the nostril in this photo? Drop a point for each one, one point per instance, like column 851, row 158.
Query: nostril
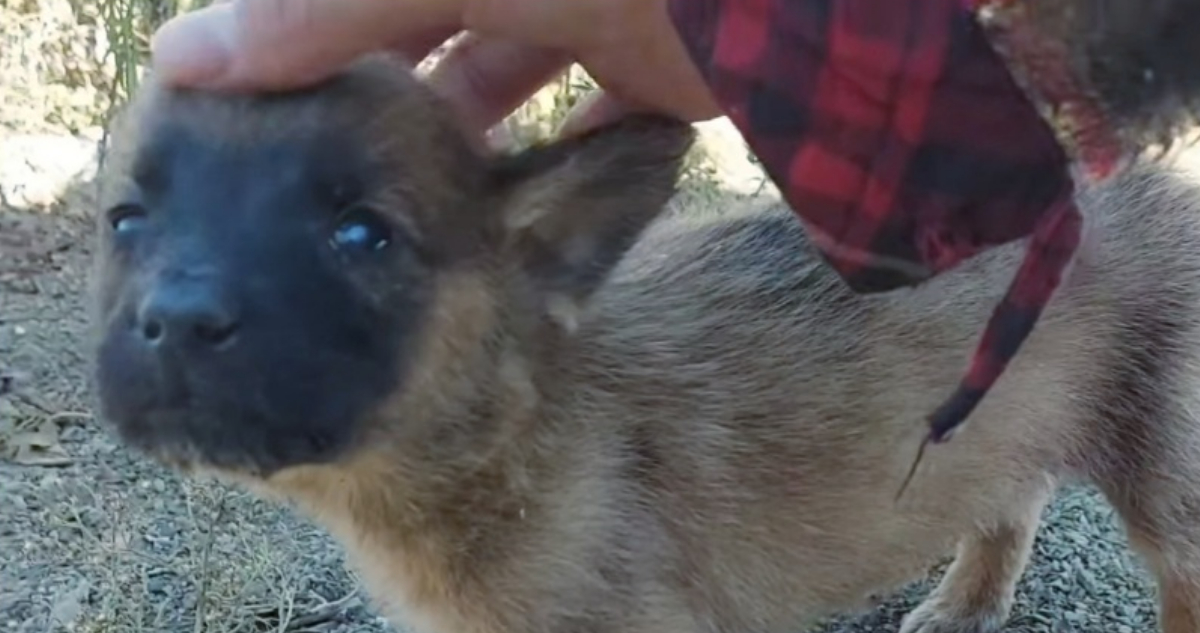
column 215, row 332
column 187, row 327
column 188, row 312
column 152, row 331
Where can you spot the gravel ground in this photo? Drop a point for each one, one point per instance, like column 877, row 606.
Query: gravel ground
column 95, row 540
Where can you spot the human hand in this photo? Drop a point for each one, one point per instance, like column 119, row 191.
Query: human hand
column 513, row 48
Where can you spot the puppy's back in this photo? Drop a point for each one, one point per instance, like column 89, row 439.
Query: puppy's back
column 777, row 412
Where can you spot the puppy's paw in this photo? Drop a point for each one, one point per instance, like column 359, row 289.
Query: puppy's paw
column 936, row 615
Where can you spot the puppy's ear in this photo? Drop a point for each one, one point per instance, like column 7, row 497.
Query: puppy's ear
column 572, row 208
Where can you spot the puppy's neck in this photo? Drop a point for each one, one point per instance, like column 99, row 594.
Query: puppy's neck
column 426, row 523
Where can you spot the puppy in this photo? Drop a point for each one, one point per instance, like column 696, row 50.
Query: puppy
column 525, row 402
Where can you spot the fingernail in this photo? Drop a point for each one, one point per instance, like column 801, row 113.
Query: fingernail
column 195, row 48
column 500, row 139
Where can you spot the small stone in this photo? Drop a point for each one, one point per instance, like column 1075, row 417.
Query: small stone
column 73, row 433
column 69, row 606
column 91, row 517
column 157, row 584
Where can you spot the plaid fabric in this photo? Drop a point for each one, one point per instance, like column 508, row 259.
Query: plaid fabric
column 901, row 140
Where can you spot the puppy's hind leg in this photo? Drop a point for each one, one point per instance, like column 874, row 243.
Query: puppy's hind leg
column 977, row 591
column 1156, row 490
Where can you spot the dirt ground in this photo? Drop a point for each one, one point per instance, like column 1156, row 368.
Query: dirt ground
column 95, row 539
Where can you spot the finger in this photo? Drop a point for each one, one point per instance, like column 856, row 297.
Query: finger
column 595, row 109
column 486, row 79
column 418, row 47
column 277, row 44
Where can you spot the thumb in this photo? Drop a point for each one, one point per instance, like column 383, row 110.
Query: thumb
column 279, row 44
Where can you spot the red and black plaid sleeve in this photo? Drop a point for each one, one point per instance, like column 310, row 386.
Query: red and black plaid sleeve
column 901, row 140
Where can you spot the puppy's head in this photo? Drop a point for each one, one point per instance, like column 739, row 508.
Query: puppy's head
column 1134, row 59
column 276, row 272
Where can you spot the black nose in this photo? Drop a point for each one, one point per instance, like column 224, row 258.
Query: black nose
column 188, row 312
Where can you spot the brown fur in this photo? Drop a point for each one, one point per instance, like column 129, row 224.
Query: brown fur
column 1136, row 57
column 712, row 440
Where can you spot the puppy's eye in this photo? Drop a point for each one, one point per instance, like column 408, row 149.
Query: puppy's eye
column 359, row 229
column 127, row 218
